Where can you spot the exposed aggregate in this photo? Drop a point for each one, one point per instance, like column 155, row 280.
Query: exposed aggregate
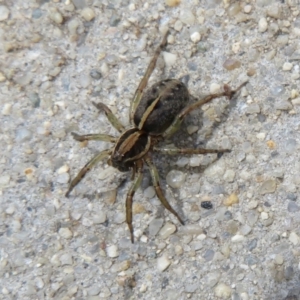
column 58, row 56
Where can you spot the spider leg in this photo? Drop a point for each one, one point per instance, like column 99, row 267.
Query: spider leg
column 94, row 137
column 158, row 190
column 139, row 91
column 179, row 118
column 138, row 175
column 110, row 116
column 100, row 156
column 174, row 151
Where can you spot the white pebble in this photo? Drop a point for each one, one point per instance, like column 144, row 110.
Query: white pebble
column 236, row 47
column 149, row 192
column 163, row 263
column 4, row 180
column 178, row 25
column 167, row 230
column 262, row 25
column 6, row 110
column 73, row 25
column 187, row 17
column 4, row 12
column 261, row 136
column 264, row 215
column 214, row 88
column 229, row 175
column 131, row 6
column 247, row 9
column 65, row 233
column 121, row 74
column 296, row 101
column 237, row 238
column 112, row 251
column 287, row 66
column 294, row 238
column 63, row 169
column 99, row 218
column 175, row 178
column 10, row 210
column 88, row 14
column 195, row 161
column 66, row 259
column 2, row 77
column 223, row 291
column 169, row 58
column 57, row 17
column 195, row 37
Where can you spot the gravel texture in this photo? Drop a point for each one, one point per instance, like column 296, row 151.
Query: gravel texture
column 56, row 57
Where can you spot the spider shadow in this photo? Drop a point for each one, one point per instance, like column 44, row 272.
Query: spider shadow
column 165, row 163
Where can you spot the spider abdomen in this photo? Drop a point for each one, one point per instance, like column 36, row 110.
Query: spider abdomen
column 160, row 104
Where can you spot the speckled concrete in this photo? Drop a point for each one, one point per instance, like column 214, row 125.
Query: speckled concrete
column 56, row 58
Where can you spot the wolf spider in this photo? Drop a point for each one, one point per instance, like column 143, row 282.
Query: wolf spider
column 155, row 115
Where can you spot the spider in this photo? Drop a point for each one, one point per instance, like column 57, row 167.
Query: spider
column 155, row 115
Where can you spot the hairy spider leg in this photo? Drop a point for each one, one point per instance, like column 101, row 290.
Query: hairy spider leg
column 110, row 116
column 174, row 151
column 100, row 156
column 179, row 118
column 138, row 175
column 158, row 190
column 94, row 137
column 139, row 91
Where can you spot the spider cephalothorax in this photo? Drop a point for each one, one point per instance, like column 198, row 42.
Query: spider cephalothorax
column 155, row 114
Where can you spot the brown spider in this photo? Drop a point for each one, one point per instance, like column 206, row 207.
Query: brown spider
column 154, row 116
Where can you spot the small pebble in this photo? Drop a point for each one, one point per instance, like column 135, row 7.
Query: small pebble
column 88, row 14
column 247, row 9
column 163, row 263
column 223, row 291
column 99, row 218
column 63, row 178
column 172, row 3
column 175, row 178
column 95, row 74
column 10, row 210
column 167, row 230
column 262, row 25
column 57, row 17
column 169, row 58
column 4, row 13
column 6, row 110
column 65, row 233
column 271, row 144
column 231, row 64
column 294, row 238
column 264, row 215
column 278, row 259
column 187, row 17
column 214, row 88
column 23, row 135
column 237, row 238
column 195, row 37
column 66, row 259
column 149, row 192
column 155, row 226
column 268, row 187
column 178, row 25
column 232, row 199
column 293, row 207
column 229, row 175
column 287, row 66
column 112, row 251
column 206, row 205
